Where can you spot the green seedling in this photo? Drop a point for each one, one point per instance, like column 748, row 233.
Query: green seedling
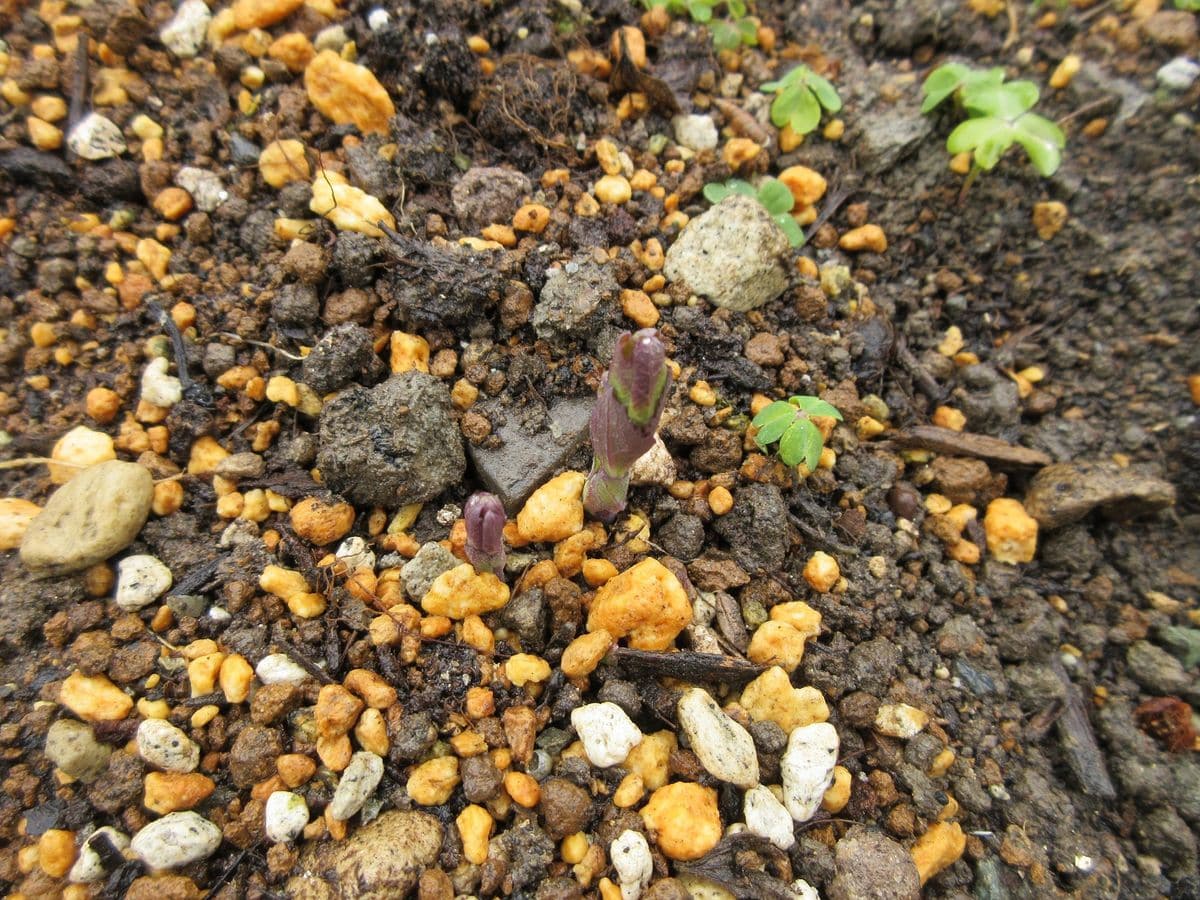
column 727, row 34
column 789, row 422
column 800, row 95
column 1188, row 5
column 772, row 193
column 999, row 117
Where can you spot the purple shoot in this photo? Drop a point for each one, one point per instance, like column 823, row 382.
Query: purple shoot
column 632, row 395
column 484, row 515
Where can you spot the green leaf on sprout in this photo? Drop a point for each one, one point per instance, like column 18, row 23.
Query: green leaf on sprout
column 791, row 228
column 941, row 83
column 1043, row 141
column 725, row 35
column 1005, row 101
column 801, row 444
column 737, row 8
column 815, row 406
column 825, row 92
column 775, row 196
column 749, row 31
column 772, row 421
column 700, row 11
column 715, row 192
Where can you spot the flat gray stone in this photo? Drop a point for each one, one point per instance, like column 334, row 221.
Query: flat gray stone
column 732, row 255
column 94, row 515
column 531, row 452
column 1066, row 492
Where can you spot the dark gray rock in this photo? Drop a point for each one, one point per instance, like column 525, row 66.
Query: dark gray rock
column 488, row 194
column 757, row 528
column 682, row 536
column 413, row 738
column 354, row 258
column 296, row 305
column 527, row 615
column 625, row 694
column 533, row 447
column 871, row 665
column 576, row 305
column 1066, row 492
column 393, row 444
column 870, row 866
column 481, row 779
column 1163, row 834
column 1157, row 670
column 344, row 354
column 528, row 850
column 887, row 134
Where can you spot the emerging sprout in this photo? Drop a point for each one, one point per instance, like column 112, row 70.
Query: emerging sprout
column 727, row 34
column 632, row 394
column 788, row 422
column 800, row 96
column 484, row 515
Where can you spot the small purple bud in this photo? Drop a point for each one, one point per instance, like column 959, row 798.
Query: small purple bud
column 484, row 515
column 628, row 406
column 639, row 376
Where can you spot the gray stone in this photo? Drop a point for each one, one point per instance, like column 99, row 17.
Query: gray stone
column 869, row 866
column 381, row 860
column 95, row 137
column 420, row 572
column 241, row 465
column 486, row 195
column 682, row 536
column 184, row 35
column 344, row 354
column 393, row 444
column 526, row 615
column 1163, row 834
column 166, row 747
column 757, row 528
column 358, row 782
column 296, row 304
column 1179, row 74
column 1066, row 492
column 888, row 134
column 205, row 187
column 531, row 450
column 575, row 306
column 94, row 515
column 1157, row 670
column 72, row 746
column 733, row 255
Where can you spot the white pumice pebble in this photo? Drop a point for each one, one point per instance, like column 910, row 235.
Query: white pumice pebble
column 95, row 137
column 285, row 817
column 357, row 783
column 141, row 579
column 88, row 865
column 723, row 746
column 158, row 387
column 166, row 747
column 630, row 855
column 807, row 768
column 607, row 733
column 278, row 668
column 768, row 818
column 175, row 840
column 184, row 35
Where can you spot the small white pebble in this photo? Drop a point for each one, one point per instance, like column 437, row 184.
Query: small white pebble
column 768, row 818
column 630, row 855
column 899, row 720
column 95, row 137
column 141, row 579
column 206, row 188
column 285, row 817
column 158, row 387
column 607, row 733
column 184, row 35
column 655, row 466
column 355, row 553
column 695, row 132
column 166, row 747
column 804, row 891
column 807, row 768
column 278, row 668
column 88, row 866
column 357, row 783
column 723, row 746
column 175, row 840
column 378, row 19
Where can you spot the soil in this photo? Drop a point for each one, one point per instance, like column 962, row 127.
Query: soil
column 1051, row 681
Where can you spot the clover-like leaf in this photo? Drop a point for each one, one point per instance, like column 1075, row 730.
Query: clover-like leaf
column 1005, row 101
column 825, row 92
column 725, row 35
column 986, row 137
column 748, row 30
column 775, row 196
column 1043, row 140
column 941, row 83
column 815, row 406
column 714, row 192
column 700, row 11
column 801, row 443
column 791, row 228
column 737, row 8
column 805, row 114
column 772, row 421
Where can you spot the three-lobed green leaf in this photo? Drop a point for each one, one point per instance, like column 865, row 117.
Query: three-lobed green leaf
column 789, row 423
column 800, row 96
